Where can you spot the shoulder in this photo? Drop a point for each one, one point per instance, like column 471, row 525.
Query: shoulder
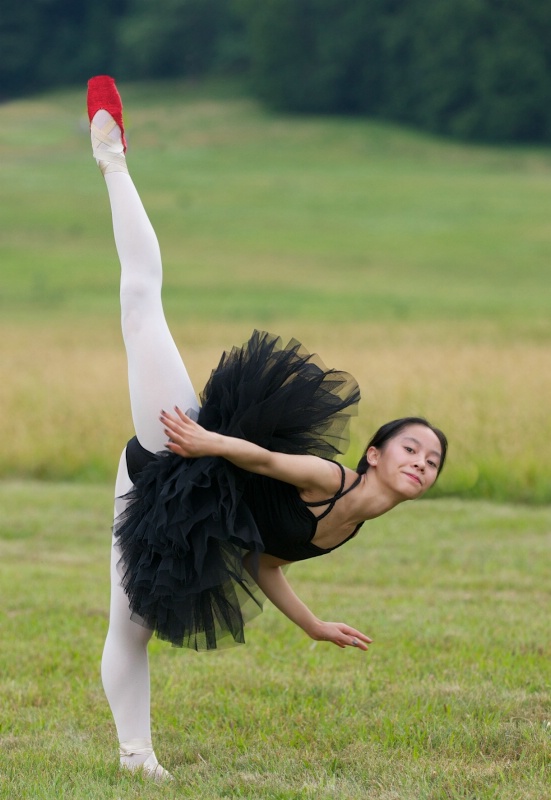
column 327, row 480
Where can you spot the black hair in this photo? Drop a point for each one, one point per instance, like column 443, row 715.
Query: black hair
column 391, row 429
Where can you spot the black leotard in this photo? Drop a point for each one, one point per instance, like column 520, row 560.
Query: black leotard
column 285, row 522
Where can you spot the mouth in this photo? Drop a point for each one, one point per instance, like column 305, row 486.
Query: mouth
column 415, row 478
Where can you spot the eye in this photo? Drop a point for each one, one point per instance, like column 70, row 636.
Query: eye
column 408, row 449
column 432, row 464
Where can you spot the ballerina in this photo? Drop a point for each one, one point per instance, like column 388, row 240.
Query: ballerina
column 213, row 499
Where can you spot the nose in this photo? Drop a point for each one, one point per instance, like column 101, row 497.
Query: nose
column 420, row 462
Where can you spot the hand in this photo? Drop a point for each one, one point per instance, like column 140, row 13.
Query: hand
column 186, row 437
column 342, row 635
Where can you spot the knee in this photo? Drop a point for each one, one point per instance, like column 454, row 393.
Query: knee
column 139, row 300
column 127, row 637
column 142, row 635
column 136, row 293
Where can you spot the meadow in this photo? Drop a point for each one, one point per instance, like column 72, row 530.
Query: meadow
column 419, row 265
column 451, row 702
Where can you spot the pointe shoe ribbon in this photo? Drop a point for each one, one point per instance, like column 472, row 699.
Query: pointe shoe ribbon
column 110, row 156
column 150, row 767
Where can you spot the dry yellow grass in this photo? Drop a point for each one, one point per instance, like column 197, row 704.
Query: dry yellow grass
column 64, row 408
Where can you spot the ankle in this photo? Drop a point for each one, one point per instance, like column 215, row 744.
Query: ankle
column 107, row 143
column 134, row 752
column 137, row 756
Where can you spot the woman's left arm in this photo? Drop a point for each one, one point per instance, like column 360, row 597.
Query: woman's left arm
column 189, row 439
column 275, row 586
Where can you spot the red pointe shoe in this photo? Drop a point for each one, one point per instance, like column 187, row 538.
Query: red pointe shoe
column 102, row 93
column 106, row 126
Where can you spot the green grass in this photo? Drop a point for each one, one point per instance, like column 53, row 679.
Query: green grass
column 451, row 702
column 259, row 214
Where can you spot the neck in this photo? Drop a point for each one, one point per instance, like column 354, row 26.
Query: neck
column 375, row 498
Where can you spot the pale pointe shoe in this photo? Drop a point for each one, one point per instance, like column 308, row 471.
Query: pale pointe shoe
column 108, row 151
column 106, row 125
column 150, row 768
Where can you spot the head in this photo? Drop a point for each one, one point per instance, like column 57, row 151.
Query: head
column 413, row 439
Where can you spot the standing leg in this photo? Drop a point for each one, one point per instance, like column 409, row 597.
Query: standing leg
column 157, row 379
column 125, row 667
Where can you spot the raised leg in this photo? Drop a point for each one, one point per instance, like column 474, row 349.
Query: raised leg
column 157, row 377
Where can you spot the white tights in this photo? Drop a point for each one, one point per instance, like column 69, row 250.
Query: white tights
column 157, row 379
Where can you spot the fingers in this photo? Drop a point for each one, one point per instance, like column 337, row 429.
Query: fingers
column 185, row 436
column 174, row 429
column 351, row 641
column 361, row 637
column 177, row 420
column 361, row 643
column 174, row 425
column 171, row 428
column 344, row 636
column 183, row 417
column 356, row 638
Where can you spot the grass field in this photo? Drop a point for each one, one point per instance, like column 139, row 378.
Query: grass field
column 452, row 701
column 420, row 265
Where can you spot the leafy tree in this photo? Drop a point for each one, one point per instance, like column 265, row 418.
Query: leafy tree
column 311, row 55
column 177, row 37
column 19, row 37
column 49, row 42
column 471, row 68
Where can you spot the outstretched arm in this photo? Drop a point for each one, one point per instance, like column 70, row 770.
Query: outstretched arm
column 189, row 439
column 273, row 583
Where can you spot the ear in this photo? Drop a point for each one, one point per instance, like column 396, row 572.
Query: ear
column 373, row 456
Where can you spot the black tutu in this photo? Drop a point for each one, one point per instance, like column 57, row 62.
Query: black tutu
column 186, row 527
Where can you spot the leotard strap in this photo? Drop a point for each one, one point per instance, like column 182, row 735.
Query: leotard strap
column 337, row 496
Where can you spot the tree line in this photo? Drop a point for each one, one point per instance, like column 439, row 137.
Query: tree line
column 474, row 69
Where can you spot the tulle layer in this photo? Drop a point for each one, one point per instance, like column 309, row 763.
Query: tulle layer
column 186, row 527
column 182, row 539
column 281, row 398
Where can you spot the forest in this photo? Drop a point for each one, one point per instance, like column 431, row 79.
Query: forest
column 470, row 69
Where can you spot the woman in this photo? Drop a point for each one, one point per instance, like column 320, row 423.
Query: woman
column 247, row 484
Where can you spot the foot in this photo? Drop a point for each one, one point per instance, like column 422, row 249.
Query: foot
column 137, row 756
column 152, row 769
column 107, row 145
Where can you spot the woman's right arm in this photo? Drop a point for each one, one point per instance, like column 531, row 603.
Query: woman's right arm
column 272, row 581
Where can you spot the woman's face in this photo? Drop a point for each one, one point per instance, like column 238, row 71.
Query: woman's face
column 408, row 463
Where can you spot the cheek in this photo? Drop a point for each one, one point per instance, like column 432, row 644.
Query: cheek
column 432, row 479
column 397, row 455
